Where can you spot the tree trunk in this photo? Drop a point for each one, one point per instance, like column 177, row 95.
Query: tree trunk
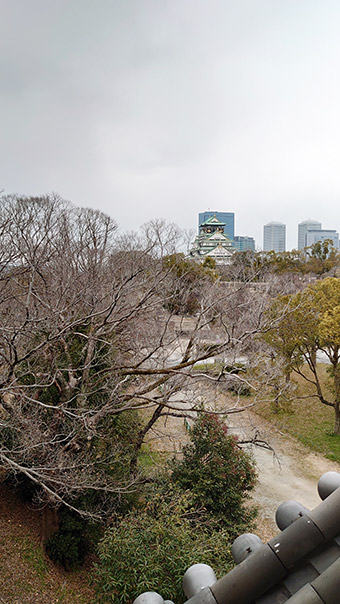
column 50, row 523
column 337, row 420
column 275, row 405
column 141, row 436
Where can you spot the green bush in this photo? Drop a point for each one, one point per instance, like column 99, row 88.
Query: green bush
column 75, row 539
column 218, row 473
column 150, row 550
column 189, row 516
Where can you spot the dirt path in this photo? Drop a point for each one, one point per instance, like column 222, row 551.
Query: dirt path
column 290, row 472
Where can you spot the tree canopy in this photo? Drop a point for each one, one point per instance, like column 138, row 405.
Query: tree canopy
column 305, row 324
column 319, row 259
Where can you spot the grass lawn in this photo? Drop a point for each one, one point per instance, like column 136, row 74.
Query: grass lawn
column 306, row 419
column 149, row 460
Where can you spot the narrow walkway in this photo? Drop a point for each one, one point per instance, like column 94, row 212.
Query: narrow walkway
column 289, row 471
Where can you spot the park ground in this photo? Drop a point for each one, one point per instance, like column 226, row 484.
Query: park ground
column 286, row 470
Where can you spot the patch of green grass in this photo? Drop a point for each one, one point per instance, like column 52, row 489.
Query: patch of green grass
column 149, row 459
column 307, row 419
column 316, row 435
column 64, row 593
column 210, row 367
column 33, row 554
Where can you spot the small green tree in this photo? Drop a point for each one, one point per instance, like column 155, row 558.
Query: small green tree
column 303, row 325
column 75, row 539
column 322, row 257
column 218, row 473
column 209, row 263
column 185, row 282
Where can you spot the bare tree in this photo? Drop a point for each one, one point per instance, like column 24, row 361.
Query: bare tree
column 90, row 334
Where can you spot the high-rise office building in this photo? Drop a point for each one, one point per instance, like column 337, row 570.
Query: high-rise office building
column 274, row 237
column 314, row 236
column 242, row 243
column 303, row 228
column 228, row 218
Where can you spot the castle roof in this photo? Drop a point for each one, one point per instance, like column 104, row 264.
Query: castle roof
column 212, row 220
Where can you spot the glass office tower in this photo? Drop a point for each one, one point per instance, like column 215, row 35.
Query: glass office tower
column 274, row 237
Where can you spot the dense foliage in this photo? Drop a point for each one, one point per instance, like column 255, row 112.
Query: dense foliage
column 74, row 540
column 319, row 259
column 218, row 473
column 150, row 550
column 190, row 516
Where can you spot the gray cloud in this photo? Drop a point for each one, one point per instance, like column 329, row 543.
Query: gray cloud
column 151, row 108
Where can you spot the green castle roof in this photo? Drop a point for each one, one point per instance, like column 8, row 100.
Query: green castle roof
column 213, row 220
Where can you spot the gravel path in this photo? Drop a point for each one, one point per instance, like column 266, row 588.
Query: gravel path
column 288, row 471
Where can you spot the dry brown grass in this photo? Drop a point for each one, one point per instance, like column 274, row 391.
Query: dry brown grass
column 27, row 575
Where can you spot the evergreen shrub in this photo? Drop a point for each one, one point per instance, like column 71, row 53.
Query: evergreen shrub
column 150, row 550
column 75, row 539
column 218, row 473
column 189, row 516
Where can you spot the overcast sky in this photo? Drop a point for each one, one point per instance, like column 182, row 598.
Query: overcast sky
column 165, row 108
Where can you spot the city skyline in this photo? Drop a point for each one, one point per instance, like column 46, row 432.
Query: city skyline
column 309, row 231
column 317, row 232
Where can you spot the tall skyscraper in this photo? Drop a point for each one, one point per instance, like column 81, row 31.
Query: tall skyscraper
column 313, row 236
column 242, row 243
column 303, row 228
column 274, row 237
column 228, row 218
